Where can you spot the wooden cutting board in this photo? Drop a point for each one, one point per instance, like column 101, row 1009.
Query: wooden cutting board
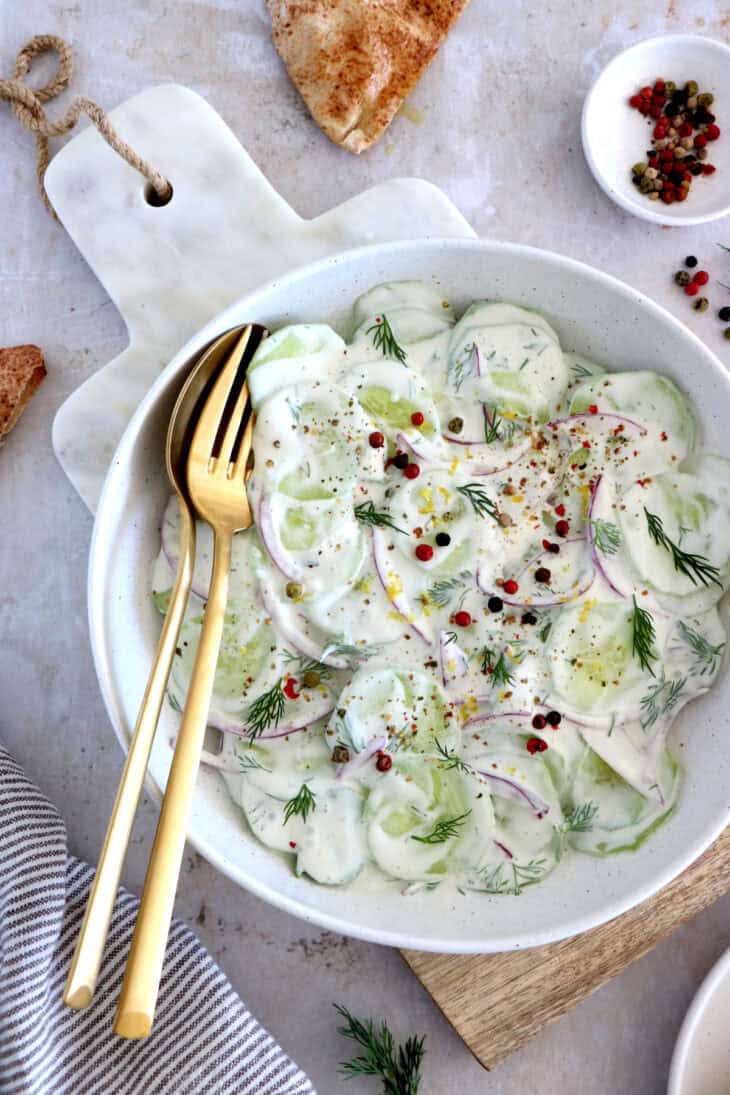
column 496, row 1002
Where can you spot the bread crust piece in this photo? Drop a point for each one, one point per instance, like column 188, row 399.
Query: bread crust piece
column 21, row 371
column 355, row 61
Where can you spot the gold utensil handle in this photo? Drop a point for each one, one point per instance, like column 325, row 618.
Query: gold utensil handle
column 82, row 977
column 136, row 1009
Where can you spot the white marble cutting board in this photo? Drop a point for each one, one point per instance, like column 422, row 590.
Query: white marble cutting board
column 170, row 269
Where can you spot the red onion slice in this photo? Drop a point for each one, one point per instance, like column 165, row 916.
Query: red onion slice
column 398, row 600
column 604, row 564
column 504, row 787
column 271, row 541
column 587, row 416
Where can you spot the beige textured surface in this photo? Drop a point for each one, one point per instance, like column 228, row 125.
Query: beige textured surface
column 501, row 105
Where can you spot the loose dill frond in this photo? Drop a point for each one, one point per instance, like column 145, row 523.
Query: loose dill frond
column 500, row 671
column 369, row 515
column 266, row 710
column 442, row 592
column 606, row 536
column 492, row 424
column 398, row 1067
column 580, row 818
column 643, row 637
column 482, row 504
column 443, row 830
column 695, row 567
column 452, row 759
column 384, row 339
column 303, row 803
column 706, row 655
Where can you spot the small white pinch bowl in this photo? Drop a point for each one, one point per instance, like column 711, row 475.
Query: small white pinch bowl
column 615, row 136
column 701, row 1059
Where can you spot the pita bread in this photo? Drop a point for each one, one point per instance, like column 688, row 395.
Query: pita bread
column 355, row 61
column 21, row 371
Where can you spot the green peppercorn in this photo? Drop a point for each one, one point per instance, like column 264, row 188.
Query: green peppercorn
column 701, row 304
column 705, row 99
column 456, row 425
column 669, row 87
column 691, row 87
column 645, row 185
column 311, row 678
column 726, row 333
column 340, row 754
column 639, row 168
column 293, row 590
column 682, row 278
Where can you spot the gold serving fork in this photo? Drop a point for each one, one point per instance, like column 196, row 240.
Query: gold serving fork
column 87, row 958
column 217, row 469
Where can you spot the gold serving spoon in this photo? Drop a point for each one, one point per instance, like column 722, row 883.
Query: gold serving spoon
column 217, row 468
column 87, row 958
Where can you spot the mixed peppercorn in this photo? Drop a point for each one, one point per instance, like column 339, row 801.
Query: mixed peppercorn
column 691, row 283
column 683, row 127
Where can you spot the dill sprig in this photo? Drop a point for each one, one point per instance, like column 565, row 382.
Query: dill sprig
column 340, row 648
column 445, row 829
column 518, row 876
column 580, row 818
column 459, row 368
column 695, row 567
column 643, row 636
column 492, row 423
column 580, row 371
column 661, row 699
column 442, row 591
column 606, row 536
column 248, row 762
column 706, row 655
column 369, row 515
column 303, row 803
column 397, row 1067
column 384, row 339
column 266, row 710
column 304, row 665
column 544, row 632
column 481, row 502
column 452, row 759
column 499, row 671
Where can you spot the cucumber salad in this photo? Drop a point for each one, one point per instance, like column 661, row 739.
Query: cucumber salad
column 482, row 581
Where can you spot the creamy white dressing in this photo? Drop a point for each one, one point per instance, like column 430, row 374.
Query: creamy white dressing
column 381, row 710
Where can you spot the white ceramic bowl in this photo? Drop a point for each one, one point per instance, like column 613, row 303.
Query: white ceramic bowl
column 615, row 136
column 701, row 1059
column 593, row 314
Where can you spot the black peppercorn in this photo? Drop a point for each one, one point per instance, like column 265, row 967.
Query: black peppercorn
column 554, row 718
column 443, row 539
column 529, row 618
column 542, row 574
column 402, row 460
column 724, row 314
column 495, row 604
column 690, row 261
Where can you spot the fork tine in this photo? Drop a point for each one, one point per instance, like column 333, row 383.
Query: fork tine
column 211, row 416
column 233, row 426
column 239, row 468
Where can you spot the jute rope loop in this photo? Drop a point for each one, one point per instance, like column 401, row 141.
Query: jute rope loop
column 27, row 104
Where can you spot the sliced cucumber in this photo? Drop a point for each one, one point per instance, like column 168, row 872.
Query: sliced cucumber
column 511, row 357
column 590, row 650
column 650, row 399
column 415, row 311
column 696, row 519
column 301, row 352
column 624, row 818
column 404, row 706
column 409, row 802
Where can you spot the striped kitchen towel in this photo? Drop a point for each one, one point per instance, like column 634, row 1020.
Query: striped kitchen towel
column 204, row 1039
